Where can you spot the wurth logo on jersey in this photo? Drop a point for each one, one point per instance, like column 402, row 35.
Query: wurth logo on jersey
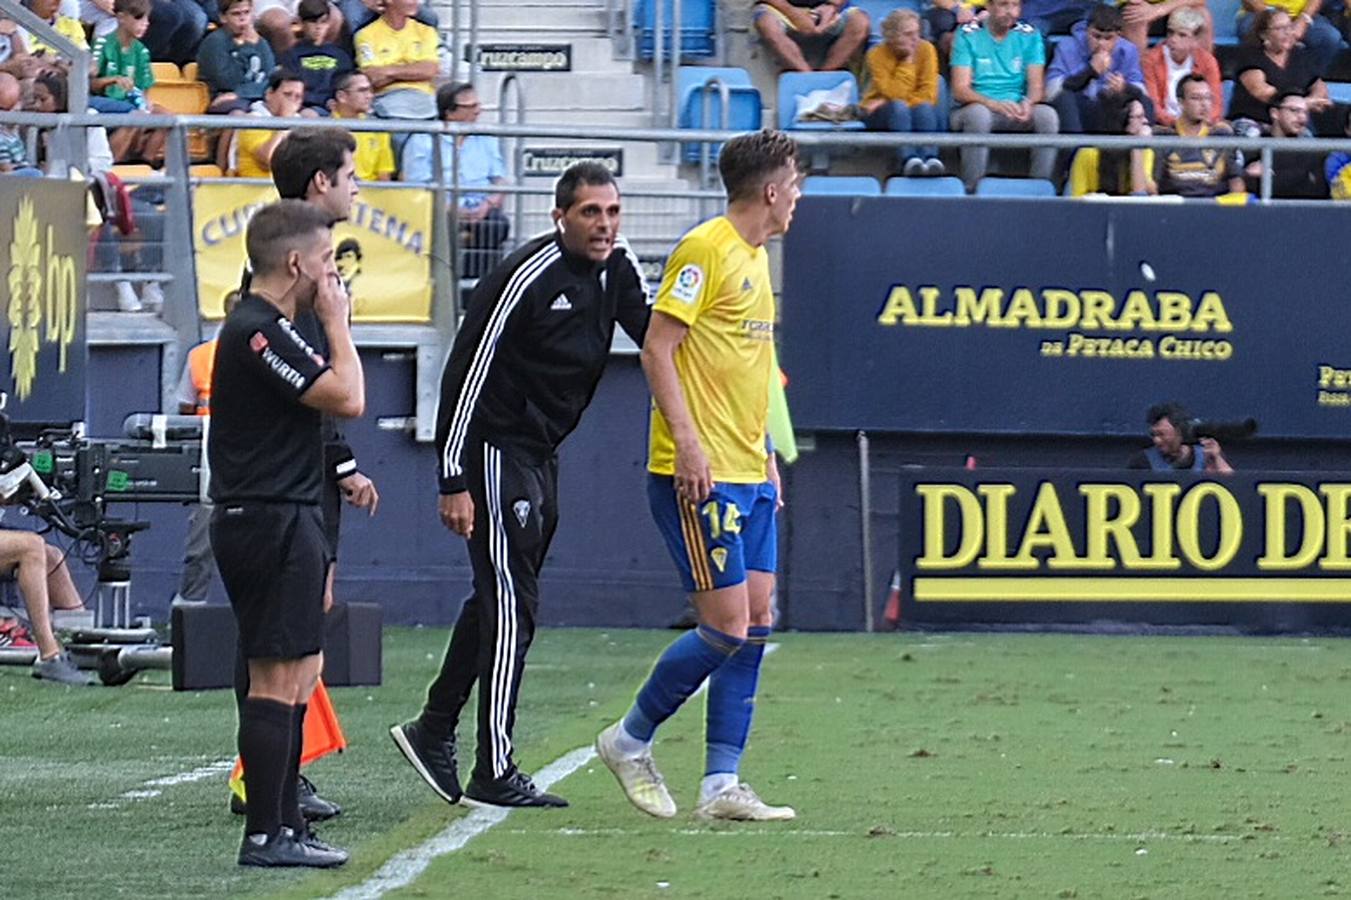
column 283, row 370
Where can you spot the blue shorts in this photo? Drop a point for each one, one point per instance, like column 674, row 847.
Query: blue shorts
column 715, row 543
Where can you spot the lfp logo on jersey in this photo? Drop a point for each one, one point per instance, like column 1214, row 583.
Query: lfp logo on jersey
column 688, row 281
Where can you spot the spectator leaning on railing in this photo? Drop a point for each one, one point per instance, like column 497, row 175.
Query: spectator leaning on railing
column 13, row 150
column 1118, row 173
column 1294, row 176
column 1209, row 172
column 234, row 61
column 997, row 73
column 1091, row 68
column 1177, row 56
column 902, row 94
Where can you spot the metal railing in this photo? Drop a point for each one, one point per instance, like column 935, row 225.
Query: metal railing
column 652, row 220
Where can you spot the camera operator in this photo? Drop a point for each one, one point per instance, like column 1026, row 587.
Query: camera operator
column 266, row 447
column 45, row 583
column 1172, row 451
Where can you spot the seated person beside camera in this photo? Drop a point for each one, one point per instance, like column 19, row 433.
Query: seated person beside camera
column 1171, row 452
column 45, row 583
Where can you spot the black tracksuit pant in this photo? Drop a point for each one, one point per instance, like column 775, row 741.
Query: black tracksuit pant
column 515, row 514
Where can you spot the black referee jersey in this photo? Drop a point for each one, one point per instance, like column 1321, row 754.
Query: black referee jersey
column 532, row 348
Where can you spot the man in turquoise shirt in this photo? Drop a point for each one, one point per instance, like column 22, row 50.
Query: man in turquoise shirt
column 998, row 80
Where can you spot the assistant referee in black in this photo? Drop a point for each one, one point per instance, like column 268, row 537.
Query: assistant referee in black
column 266, row 446
column 524, row 366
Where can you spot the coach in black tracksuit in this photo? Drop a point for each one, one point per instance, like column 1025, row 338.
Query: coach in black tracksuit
column 524, row 366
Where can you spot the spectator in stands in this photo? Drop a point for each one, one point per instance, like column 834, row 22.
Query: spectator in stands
column 398, row 53
column 902, row 90
column 997, row 81
column 1143, row 18
column 944, row 17
column 279, row 20
column 1270, row 64
column 45, row 584
column 1294, row 176
column 1178, row 56
column 285, row 97
column 13, row 150
column 50, row 95
column 360, row 13
column 122, row 75
column 1197, row 173
column 1092, row 67
column 1337, row 169
column 793, row 28
column 483, row 228
column 1318, row 35
column 69, row 28
column 176, row 28
column 1117, row 173
column 374, row 156
column 1170, row 450
column 234, row 61
column 318, row 59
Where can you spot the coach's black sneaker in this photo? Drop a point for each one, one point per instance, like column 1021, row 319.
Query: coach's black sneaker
column 283, row 850
column 432, row 758
column 513, row 789
column 313, row 807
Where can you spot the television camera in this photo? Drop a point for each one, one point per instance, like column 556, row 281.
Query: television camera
column 68, row 481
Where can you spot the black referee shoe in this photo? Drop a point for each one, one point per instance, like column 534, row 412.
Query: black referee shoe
column 284, row 851
column 313, row 807
column 432, row 758
column 513, row 789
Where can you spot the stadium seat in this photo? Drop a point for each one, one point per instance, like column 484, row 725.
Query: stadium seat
column 744, row 111
column 166, row 71
column 1225, row 15
column 1339, row 91
column 205, row 170
column 190, row 71
column 798, row 84
column 134, row 170
column 182, row 98
column 946, row 186
column 1014, row 187
column 698, row 28
column 841, row 185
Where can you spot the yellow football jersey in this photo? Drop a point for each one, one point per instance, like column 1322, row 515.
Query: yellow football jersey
column 718, row 285
column 379, row 45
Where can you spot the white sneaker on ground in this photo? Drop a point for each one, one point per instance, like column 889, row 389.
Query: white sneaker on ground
column 127, row 301
column 933, row 167
column 637, row 775
column 739, row 802
column 914, row 167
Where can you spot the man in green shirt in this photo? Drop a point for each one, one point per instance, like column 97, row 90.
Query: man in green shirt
column 998, row 80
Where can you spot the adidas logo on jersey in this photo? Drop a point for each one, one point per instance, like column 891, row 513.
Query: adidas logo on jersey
column 746, row 284
column 561, row 302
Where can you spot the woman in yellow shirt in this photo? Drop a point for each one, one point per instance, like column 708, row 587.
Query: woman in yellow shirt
column 902, row 92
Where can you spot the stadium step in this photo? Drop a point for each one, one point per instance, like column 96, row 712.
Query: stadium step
column 571, row 90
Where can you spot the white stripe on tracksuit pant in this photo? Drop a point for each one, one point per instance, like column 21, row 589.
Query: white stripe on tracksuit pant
column 515, row 513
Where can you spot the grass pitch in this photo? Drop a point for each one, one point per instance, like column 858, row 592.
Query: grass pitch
column 920, row 765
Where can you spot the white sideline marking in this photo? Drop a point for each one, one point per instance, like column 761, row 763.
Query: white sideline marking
column 405, row 868
column 152, row 788
column 787, row 832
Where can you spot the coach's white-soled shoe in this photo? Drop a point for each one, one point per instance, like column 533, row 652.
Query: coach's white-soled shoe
column 741, row 803
column 637, row 775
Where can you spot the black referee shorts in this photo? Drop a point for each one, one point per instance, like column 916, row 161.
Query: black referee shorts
column 273, row 558
column 330, row 505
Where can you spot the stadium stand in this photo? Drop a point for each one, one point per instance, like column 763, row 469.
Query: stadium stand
column 841, row 185
column 698, row 28
column 946, row 186
column 702, row 107
column 793, row 86
column 1014, row 187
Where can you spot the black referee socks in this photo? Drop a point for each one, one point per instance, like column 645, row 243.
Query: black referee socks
column 266, row 735
column 291, row 816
